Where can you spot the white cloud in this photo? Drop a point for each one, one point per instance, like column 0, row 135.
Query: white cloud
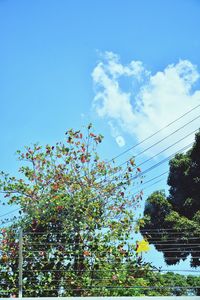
column 162, row 97
column 120, row 141
column 115, row 132
column 111, row 64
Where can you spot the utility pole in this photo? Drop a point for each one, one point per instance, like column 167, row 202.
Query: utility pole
column 20, row 262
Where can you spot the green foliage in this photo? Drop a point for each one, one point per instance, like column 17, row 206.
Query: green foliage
column 179, row 211
column 77, row 218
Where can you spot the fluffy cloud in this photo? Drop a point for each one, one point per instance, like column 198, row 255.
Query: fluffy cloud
column 116, row 134
column 120, row 141
column 159, row 98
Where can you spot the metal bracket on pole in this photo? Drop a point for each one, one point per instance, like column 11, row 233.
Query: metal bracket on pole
column 20, row 262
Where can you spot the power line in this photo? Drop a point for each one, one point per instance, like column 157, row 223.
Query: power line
column 167, row 229
column 179, row 256
column 167, row 233
column 122, row 287
column 180, row 247
column 145, row 150
column 181, row 251
column 125, row 270
column 167, row 147
column 132, row 147
column 153, row 166
column 8, row 221
column 163, row 161
column 10, row 212
column 157, row 144
column 146, row 188
column 152, row 231
column 68, row 244
column 110, row 278
column 158, row 176
column 115, row 269
column 183, row 245
column 149, row 231
column 173, row 239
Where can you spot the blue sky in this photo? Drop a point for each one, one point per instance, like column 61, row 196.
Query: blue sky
column 130, row 67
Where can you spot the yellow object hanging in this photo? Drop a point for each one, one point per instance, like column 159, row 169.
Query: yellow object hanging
column 142, row 246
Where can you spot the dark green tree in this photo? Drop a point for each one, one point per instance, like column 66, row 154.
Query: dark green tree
column 173, row 221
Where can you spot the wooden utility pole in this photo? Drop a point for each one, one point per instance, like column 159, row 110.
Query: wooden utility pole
column 20, row 262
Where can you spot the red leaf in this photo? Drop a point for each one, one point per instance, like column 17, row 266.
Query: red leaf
column 83, row 159
column 86, row 253
column 60, row 207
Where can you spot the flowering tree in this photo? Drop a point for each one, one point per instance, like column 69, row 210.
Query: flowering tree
column 77, row 217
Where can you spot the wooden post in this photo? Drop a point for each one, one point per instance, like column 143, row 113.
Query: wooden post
column 20, row 262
